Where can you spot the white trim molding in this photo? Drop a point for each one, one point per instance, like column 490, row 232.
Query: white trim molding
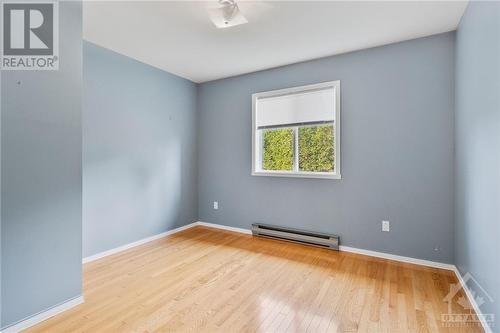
column 224, row 227
column 388, row 256
column 44, row 315
column 136, row 243
column 394, row 257
column 370, row 253
column 158, row 236
column 472, row 300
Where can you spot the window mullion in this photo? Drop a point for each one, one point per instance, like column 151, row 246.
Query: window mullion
column 260, row 144
column 296, row 149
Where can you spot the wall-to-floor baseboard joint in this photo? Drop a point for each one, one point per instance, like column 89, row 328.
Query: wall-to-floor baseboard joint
column 42, row 316
column 370, row 253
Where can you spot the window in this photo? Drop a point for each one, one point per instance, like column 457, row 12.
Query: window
column 296, row 132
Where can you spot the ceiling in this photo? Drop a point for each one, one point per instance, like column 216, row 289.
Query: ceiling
column 178, row 37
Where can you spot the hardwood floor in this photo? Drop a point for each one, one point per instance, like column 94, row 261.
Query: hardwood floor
column 207, row 280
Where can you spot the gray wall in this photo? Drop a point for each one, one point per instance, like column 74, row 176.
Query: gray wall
column 41, row 179
column 397, row 151
column 139, row 151
column 477, row 207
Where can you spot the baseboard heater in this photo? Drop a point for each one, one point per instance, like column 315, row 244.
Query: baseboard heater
column 296, row 235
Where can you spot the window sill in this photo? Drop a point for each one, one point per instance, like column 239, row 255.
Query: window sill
column 320, row 175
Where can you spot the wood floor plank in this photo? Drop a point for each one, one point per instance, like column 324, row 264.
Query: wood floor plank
column 209, row 280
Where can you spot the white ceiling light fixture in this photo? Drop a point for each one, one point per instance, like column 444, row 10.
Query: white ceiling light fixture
column 227, row 15
column 278, row 32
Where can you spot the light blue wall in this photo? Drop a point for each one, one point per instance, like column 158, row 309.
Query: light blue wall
column 139, row 150
column 477, row 205
column 397, row 151
column 41, row 176
column 154, row 141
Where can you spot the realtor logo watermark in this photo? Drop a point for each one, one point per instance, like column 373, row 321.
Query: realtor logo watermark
column 468, row 317
column 30, row 35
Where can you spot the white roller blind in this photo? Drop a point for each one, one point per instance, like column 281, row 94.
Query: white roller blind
column 314, row 106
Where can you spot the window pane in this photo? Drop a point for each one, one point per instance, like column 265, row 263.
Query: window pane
column 277, row 149
column 316, row 148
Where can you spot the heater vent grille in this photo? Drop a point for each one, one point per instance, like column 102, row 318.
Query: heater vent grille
column 296, row 235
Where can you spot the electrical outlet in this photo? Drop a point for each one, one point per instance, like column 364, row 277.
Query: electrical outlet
column 386, row 226
column 216, row 205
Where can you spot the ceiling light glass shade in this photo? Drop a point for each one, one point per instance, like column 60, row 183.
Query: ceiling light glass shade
column 226, row 16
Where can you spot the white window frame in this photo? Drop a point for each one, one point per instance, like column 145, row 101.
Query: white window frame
column 256, row 139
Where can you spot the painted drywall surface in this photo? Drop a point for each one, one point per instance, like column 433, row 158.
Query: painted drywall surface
column 1, row 199
column 477, row 206
column 396, row 143
column 41, row 179
column 139, row 150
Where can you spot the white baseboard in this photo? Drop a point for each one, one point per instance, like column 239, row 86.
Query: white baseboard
column 472, row 300
column 249, row 232
column 370, row 253
column 389, row 256
column 157, row 236
column 224, row 227
column 136, row 243
column 394, row 257
column 44, row 315
column 35, row 319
